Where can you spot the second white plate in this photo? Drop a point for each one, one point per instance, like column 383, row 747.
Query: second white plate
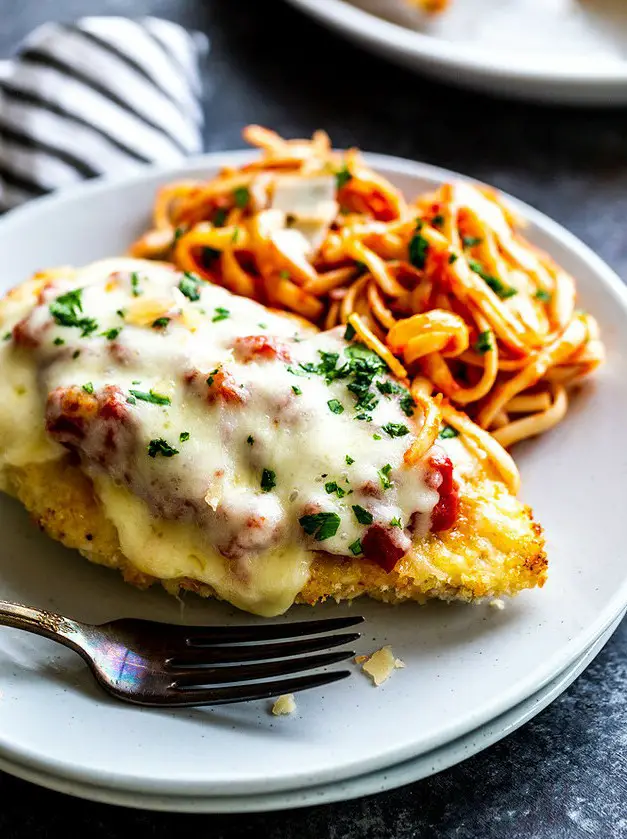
column 549, row 50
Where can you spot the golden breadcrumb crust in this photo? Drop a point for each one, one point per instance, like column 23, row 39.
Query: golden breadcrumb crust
column 495, row 548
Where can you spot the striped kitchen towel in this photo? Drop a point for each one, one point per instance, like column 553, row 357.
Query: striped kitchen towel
column 101, row 96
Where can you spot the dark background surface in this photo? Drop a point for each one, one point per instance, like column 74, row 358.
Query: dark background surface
column 563, row 775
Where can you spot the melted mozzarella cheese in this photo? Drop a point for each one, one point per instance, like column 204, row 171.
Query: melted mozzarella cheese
column 228, row 494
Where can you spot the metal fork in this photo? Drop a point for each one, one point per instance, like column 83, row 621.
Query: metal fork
column 151, row 663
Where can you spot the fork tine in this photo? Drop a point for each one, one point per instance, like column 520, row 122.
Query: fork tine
column 197, row 676
column 248, row 692
column 199, row 635
column 256, row 652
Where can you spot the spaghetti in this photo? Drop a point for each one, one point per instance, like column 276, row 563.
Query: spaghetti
column 444, row 288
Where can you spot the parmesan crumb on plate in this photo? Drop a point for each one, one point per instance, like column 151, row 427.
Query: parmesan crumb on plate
column 497, row 604
column 284, row 705
column 380, row 665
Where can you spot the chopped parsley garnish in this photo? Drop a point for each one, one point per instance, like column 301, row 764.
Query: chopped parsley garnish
column 320, row 525
column 160, row 323
column 151, row 396
column 447, row 432
column 6, row 336
column 327, row 367
column 387, row 387
column 262, row 325
column 284, row 274
column 76, row 354
column 250, row 439
column 184, row 436
column 361, row 367
column 543, row 295
column 362, row 516
column 498, row 287
column 88, row 388
column 241, row 195
column 190, row 286
column 135, row 289
column 396, row 522
column 219, row 217
column 471, row 241
column 376, row 437
column 437, row 221
column 65, row 311
column 162, row 447
column 131, row 400
column 355, row 547
column 384, row 476
column 395, row 429
column 268, row 480
column 220, row 314
column 364, row 365
column 343, row 176
column 335, row 406
column 483, row 344
column 235, row 235
column 121, row 313
column 112, row 334
column 418, row 248
column 136, row 382
column 297, row 390
column 333, row 487
column 452, row 257
column 349, row 460
column 57, row 341
column 180, row 231
column 408, row 404
column 349, row 332
column 210, row 376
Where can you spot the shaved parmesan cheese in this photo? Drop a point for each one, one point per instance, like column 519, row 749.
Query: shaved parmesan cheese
column 310, row 203
column 284, row 705
column 306, row 198
column 381, row 664
column 294, row 249
column 259, row 188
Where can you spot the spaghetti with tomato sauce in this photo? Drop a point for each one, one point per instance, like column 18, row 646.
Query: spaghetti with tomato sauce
column 443, row 288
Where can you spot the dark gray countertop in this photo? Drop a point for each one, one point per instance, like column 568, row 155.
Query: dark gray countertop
column 563, row 775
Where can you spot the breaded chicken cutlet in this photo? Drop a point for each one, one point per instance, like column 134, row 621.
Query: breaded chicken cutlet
column 167, row 428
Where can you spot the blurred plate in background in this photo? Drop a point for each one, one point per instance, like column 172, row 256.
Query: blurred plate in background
column 559, row 51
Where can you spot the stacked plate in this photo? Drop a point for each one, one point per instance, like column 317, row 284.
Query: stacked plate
column 472, row 674
column 549, row 50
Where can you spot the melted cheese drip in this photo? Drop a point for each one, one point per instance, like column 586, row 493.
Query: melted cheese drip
column 287, row 416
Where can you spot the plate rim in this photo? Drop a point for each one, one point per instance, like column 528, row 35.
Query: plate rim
column 382, row 780
column 459, row 57
column 507, row 699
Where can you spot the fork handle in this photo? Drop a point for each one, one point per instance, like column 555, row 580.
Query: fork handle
column 40, row 622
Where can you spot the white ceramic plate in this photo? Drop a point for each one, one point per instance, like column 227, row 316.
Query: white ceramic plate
column 566, row 51
column 465, row 665
column 375, row 782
